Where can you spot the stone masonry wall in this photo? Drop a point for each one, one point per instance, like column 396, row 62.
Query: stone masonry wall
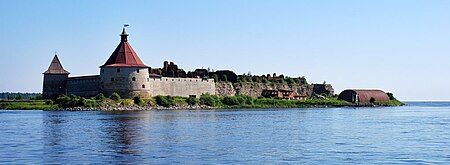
column 127, row 81
column 54, row 85
column 184, row 87
column 85, row 86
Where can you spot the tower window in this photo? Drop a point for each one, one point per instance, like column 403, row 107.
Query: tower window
column 137, row 70
column 143, row 86
column 118, row 70
column 112, row 79
column 134, row 78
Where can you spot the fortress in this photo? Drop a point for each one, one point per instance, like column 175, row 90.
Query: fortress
column 124, row 73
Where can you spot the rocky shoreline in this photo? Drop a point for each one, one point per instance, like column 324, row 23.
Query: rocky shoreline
column 134, row 108
column 203, row 107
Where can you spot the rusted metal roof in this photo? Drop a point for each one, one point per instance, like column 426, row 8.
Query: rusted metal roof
column 364, row 95
column 56, row 67
column 124, row 55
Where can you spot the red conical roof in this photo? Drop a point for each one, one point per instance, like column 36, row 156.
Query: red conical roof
column 56, row 67
column 124, row 55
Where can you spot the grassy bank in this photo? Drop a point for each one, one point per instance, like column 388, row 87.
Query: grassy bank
column 206, row 100
column 27, row 105
column 393, row 102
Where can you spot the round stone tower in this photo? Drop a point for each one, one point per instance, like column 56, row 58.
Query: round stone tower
column 124, row 72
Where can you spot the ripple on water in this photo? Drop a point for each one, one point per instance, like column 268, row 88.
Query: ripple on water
column 401, row 135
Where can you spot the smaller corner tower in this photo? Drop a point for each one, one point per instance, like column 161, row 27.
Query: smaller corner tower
column 55, row 79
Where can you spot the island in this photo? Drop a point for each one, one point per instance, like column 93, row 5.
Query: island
column 126, row 83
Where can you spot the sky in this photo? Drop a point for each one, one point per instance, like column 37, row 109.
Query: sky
column 400, row 46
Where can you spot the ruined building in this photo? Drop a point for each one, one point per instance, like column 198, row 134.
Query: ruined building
column 124, row 73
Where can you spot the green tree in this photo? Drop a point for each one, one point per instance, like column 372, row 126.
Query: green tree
column 18, row 97
column 225, row 78
column 216, row 78
column 289, row 80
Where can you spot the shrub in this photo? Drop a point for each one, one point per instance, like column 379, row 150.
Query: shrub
column 138, row 101
column 192, row 101
column 48, row 102
column 115, row 96
column 244, row 99
column 75, row 101
column 230, row 100
column 90, row 103
column 391, row 96
column 150, row 101
column 127, row 102
column 100, row 96
column 210, row 100
column 165, row 101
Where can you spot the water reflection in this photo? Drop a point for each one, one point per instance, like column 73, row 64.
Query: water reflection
column 123, row 133
column 54, row 135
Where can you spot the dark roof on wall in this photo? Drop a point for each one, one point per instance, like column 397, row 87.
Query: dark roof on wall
column 56, row 67
column 124, row 55
column 84, row 77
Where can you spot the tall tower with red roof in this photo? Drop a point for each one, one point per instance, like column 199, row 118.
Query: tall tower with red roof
column 55, row 79
column 124, row 72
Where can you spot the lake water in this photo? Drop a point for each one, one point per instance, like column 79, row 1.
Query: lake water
column 414, row 134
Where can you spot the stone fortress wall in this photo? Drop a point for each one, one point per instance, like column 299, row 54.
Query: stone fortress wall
column 143, row 86
column 130, row 82
column 184, row 87
column 85, row 86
